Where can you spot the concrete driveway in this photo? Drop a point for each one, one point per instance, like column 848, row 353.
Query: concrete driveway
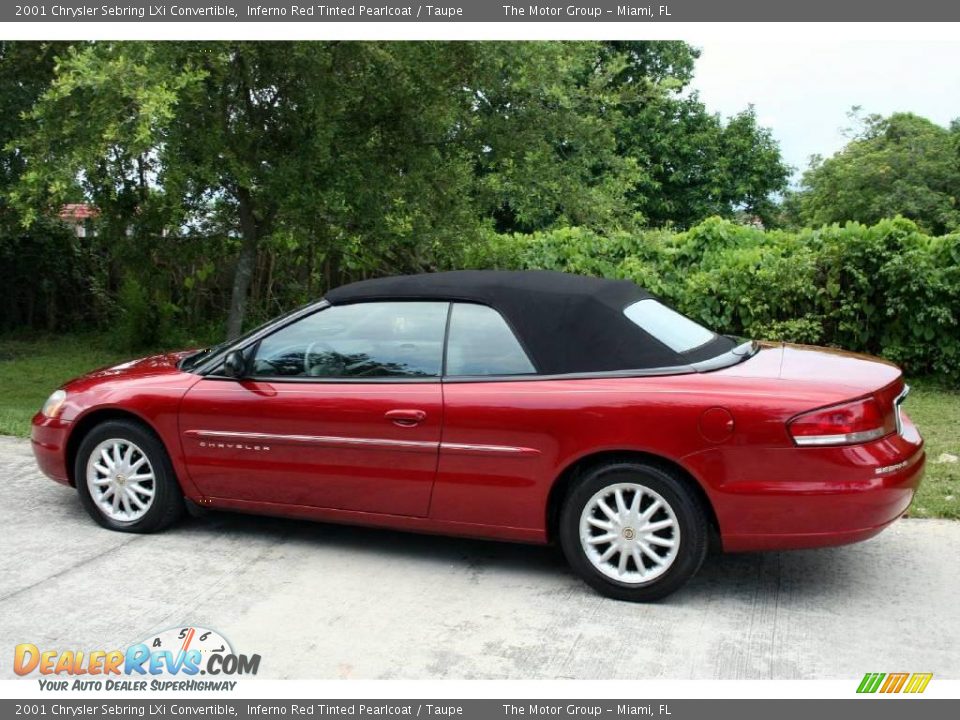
column 325, row 601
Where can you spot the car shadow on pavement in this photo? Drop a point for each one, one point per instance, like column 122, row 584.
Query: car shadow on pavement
column 390, row 544
column 805, row 574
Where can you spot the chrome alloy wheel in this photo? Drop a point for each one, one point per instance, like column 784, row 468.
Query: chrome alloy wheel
column 120, row 480
column 629, row 533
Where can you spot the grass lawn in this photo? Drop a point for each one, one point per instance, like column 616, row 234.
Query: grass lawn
column 936, row 412
column 30, row 369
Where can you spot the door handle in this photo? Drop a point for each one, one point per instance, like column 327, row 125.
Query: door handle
column 406, row 418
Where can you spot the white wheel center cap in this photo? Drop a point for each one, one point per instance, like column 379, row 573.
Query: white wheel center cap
column 120, row 479
column 628, row 533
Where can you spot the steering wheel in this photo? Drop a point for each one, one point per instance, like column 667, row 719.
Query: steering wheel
column 275, row 362
column 324, row 347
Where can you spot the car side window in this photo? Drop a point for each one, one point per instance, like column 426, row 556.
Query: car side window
column 481, row 343
column 363, row 340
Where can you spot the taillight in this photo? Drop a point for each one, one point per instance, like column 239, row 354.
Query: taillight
column 857, row 421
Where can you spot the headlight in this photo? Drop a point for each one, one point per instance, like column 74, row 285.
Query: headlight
column 54, row 404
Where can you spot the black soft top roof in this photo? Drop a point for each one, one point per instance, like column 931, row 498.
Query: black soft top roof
column 567, row 323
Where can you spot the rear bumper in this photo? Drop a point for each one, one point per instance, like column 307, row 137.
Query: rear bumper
column 792, row 498
column 824, row 519
column 48, row 438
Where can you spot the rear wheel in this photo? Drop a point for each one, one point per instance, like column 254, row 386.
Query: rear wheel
column 633, row 531
column 125, row 479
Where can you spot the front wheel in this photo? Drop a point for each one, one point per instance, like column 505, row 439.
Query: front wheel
column 125, row 479
column 633, row 531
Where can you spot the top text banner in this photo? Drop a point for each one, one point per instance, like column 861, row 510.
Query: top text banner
column 483, row 11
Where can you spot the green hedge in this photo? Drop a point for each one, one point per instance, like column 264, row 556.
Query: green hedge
column 887, row 289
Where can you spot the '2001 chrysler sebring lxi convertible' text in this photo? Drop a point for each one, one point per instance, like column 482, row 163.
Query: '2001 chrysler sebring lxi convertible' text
column 529, row 406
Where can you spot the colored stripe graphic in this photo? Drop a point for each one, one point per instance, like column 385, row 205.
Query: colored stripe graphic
column 894, row 682
column 870, row 682
column 918, row 682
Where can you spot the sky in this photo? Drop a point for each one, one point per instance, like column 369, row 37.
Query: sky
column 803, row 90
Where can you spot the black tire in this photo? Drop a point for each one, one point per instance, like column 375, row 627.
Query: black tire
column 690, row 519
column 167, row 504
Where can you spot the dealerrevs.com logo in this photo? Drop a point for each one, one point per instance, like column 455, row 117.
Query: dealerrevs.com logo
column 170, row 660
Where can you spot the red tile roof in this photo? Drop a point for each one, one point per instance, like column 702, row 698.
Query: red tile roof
column 78, row 211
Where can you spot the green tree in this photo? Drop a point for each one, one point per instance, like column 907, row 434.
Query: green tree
column 544, row 140
column 899, row 165
column 692, row 164
column 342, row 160
column 25, row 72
column 360, row 155
column 39, row 265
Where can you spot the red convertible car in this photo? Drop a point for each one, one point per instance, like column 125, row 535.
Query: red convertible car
column 528, row 406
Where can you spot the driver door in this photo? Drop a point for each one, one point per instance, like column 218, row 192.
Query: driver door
column 341, row 409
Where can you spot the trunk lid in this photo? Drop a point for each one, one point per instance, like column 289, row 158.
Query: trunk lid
column 817, row 377
column 850, row 373
column 861, row 373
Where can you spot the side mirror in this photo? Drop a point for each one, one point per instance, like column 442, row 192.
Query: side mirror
column 234, row 364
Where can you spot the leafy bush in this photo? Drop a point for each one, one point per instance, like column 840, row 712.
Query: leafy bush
column 146, row 321
column 887, row 289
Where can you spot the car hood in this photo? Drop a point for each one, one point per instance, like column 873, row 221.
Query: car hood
column 152, row 365
column 114, row 385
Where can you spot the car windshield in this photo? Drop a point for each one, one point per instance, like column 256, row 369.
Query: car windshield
column 194, row 359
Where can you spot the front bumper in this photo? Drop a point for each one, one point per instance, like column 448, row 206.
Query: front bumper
column 790, row 498
column 48, row 438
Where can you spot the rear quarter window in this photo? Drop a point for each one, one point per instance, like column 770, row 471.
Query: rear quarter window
column 676, row 331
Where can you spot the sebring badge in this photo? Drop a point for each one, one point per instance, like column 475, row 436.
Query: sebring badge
column 891, row 468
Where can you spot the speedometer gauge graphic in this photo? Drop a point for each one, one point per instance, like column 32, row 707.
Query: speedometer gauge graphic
column 178, row 641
